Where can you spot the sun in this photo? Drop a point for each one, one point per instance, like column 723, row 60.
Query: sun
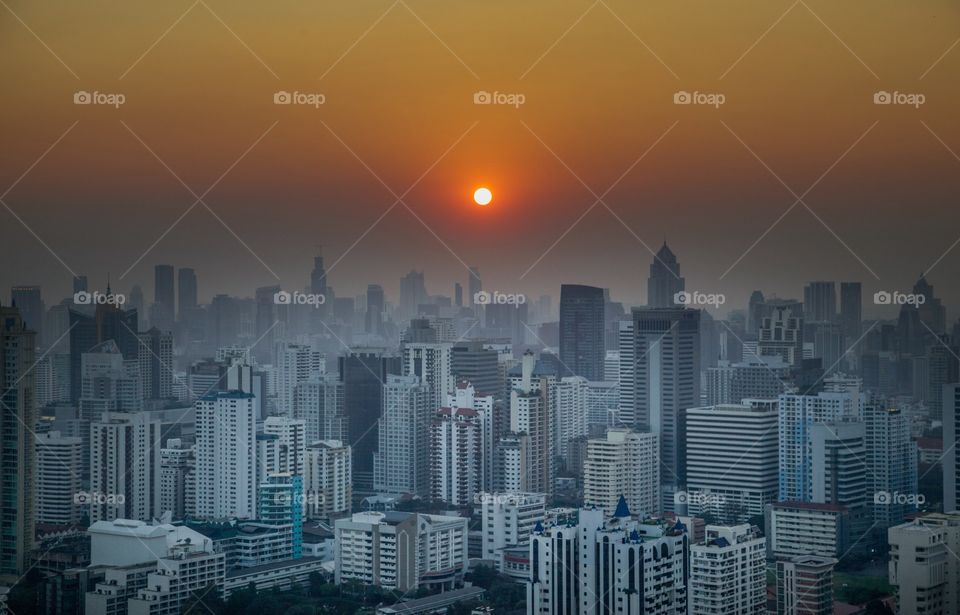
column 482, row 196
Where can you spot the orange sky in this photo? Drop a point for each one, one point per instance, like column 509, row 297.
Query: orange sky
column 399, row 87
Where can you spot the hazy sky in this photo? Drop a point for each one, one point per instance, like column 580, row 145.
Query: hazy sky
column 399, row 78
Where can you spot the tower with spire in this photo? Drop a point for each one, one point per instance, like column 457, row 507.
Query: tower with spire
column 665, row 280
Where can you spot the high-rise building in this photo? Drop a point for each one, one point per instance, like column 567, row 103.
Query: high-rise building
column 108, row 322
column 163, row 313
column 461, row 447
column 226, row 425
column 178, row 487
column 570, row 414
column 59, row 459
column 295, row 363
column 186, row 292
column 475, row 285
column 155, row 356
column 732, row 460
column 478, row 365
column 943, row 367
column 363, row 374
column 280, row 506
column 413, row 293
column 666, row 381
column 820, row 302
column 124, row 466
column 373, row 320
column 840, row 474
column 728, row 572
column 623, row 464
column 923, row 565
column 327, row 479
column 530, row 405
column 803, row 528
column 892, row 458
column 851, row 310
column 797, row 415
column 781, row 334
column 28, row 301
column 664, row 281
column 753, row 378
column 108, row 382
column 608, row 565
column 508, row 519
column 18, row 464
column 805, row 585
column 291, row 444
column 319, row 402
column 951, row 440
column 582, row 331
column 430, row 362
column 402, row 461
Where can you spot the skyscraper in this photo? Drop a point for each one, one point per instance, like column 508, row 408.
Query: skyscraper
column 163, row 297
column 27, row 299
column 666, row 381
column 156, row 364
column 951, row 440
column 226, row 455
column 18, row 415
column 805, row 585
column 624, row 463
column 728, row 572
column 581, row 331
column 851, row 310
column 413, row 292
column 187, row 292
column 475, row 284
column 781, row 334
column 664, row 281
column 373, row 319
column 402, row 461
column 125, row 466
column 820, row 302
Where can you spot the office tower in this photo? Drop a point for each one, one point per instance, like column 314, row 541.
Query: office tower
column 318, row 276
column 223, row 321
column 80, row 284
column 402, row 461
column 932, row 313
column 475, row 284
column 851, row 310
column 226, row 426
column 732, row 461
column 413, row 293
column 295, row 363
column 163, row 298
column 570, row 414
column 28, row 301
column 923, row 564
column 59, row 459
column 753, row 378
column 755, row 308
column 805, row 585
column 627, row 374
column 177, row 478
column 457, row 294
column 891, row 462
column 319, row 402
column 52, row 377
column 728, row 572
column 206, row 376
column 267, row 316
column 828, row 344
column 401, row 550
column 373, row 320
column 530, row 406
column 664, row 281
column 809, row 528
column 781, row 334
column 327, row 479
column 820, row 302
column 582, row 331
column 109, row 322
column 186, row 293
column 839, row 471
column 611, row 363
column 280, row 506
column 625, row 464
column 797, row 415
column 108, row 382
column 471, row 361
column 431, row 364
column 511, row 463
column 603, row 405
column 951, row 440
column 124, row 466
column 508, row 519
column 363, row 375
column 291, row 444
column 666, row 381
column 943, row 367
column 608, row 565
column 135, row 300
column 456, row 455
column 156, row 364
